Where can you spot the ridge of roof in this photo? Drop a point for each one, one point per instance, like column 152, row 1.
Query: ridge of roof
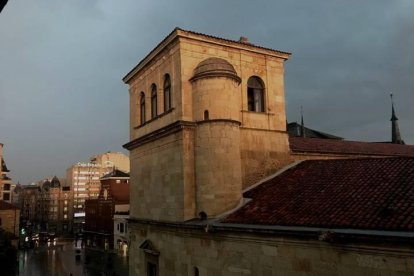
column 345, row 147
column 234, row 41
column 129, row 75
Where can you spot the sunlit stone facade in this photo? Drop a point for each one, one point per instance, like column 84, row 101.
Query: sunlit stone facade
column 206, row 116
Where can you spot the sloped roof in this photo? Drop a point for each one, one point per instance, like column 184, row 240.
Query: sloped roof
column 4, row 166
column 332, row 146
column 7, row 206
column 115, row 174
column 370, row 194
column 293, row 130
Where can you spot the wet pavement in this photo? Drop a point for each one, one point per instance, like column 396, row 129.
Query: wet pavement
column 60, row 259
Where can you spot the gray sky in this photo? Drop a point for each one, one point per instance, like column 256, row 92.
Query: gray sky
column 61, row 63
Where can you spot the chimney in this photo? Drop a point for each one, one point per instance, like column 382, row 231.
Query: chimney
column 244, row 39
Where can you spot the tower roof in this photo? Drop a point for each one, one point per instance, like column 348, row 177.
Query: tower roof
column 46, row 185
column 4, row 166
column 181, row 33
column 395, row 135
column 55, row 183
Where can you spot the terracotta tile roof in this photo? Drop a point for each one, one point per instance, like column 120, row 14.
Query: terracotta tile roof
column 232, row 41
column 331, row 146
column 371, row 193
column 4, row 205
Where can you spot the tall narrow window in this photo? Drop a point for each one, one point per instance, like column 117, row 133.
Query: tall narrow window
column 153, row 101
column 167, row 93
column 255, row 94
column 152, row 269
column 142, row 107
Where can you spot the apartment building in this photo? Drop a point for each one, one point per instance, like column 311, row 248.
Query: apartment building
column 83, row 178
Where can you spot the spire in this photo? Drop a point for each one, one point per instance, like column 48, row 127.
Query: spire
column 395, row 136
column 302, row 124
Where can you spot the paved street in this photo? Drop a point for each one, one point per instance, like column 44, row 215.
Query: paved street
column 60, row 259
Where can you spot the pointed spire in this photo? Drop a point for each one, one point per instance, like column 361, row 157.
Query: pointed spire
column 302, row 124
column 396, row 135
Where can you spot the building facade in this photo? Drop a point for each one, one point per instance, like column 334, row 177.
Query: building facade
column 6, row 184
column 84, row 180
column 55, row 207
column 208, row 140
column 99, row 220
column 10, row 220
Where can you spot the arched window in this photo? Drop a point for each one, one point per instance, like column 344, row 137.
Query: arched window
column 167, row 93
column 153, row 101
column 142, row 107
column 255, row 94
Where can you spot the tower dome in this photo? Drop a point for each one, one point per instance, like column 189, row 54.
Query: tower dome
column 46, row 185
column 55, row 183
column 215, row 67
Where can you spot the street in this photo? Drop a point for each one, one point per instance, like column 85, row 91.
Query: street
column 60, row 259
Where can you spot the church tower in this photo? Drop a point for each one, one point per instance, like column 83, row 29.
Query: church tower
column 207, row 120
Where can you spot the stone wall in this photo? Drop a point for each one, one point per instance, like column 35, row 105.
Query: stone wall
column 168, row 62
column 162, row 178
column 263, row 152
column 10, row 221
column 215, row 254
column 218, row 168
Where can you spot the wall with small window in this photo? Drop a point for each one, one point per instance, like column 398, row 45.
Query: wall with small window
column 155, row 94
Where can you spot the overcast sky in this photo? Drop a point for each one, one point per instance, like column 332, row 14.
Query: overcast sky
column 61, row 63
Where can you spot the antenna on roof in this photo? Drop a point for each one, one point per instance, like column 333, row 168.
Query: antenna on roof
column 302, row 124
column 395, row 135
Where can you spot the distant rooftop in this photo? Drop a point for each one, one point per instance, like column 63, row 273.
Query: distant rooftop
column 115, row 174
column 342, row 147
column 294, row 130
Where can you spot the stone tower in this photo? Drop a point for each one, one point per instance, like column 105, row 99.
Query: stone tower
column 207, row 120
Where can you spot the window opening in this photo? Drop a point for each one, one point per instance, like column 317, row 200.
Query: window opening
column 153, row 101
column 142, row 106
column 167, row 93
column 255, row 94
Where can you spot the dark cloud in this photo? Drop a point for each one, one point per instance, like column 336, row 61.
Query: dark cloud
column 61, row 64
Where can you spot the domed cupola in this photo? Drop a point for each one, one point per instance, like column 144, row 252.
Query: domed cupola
column 55, row 183
column 215, row 67
column 46, row 185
